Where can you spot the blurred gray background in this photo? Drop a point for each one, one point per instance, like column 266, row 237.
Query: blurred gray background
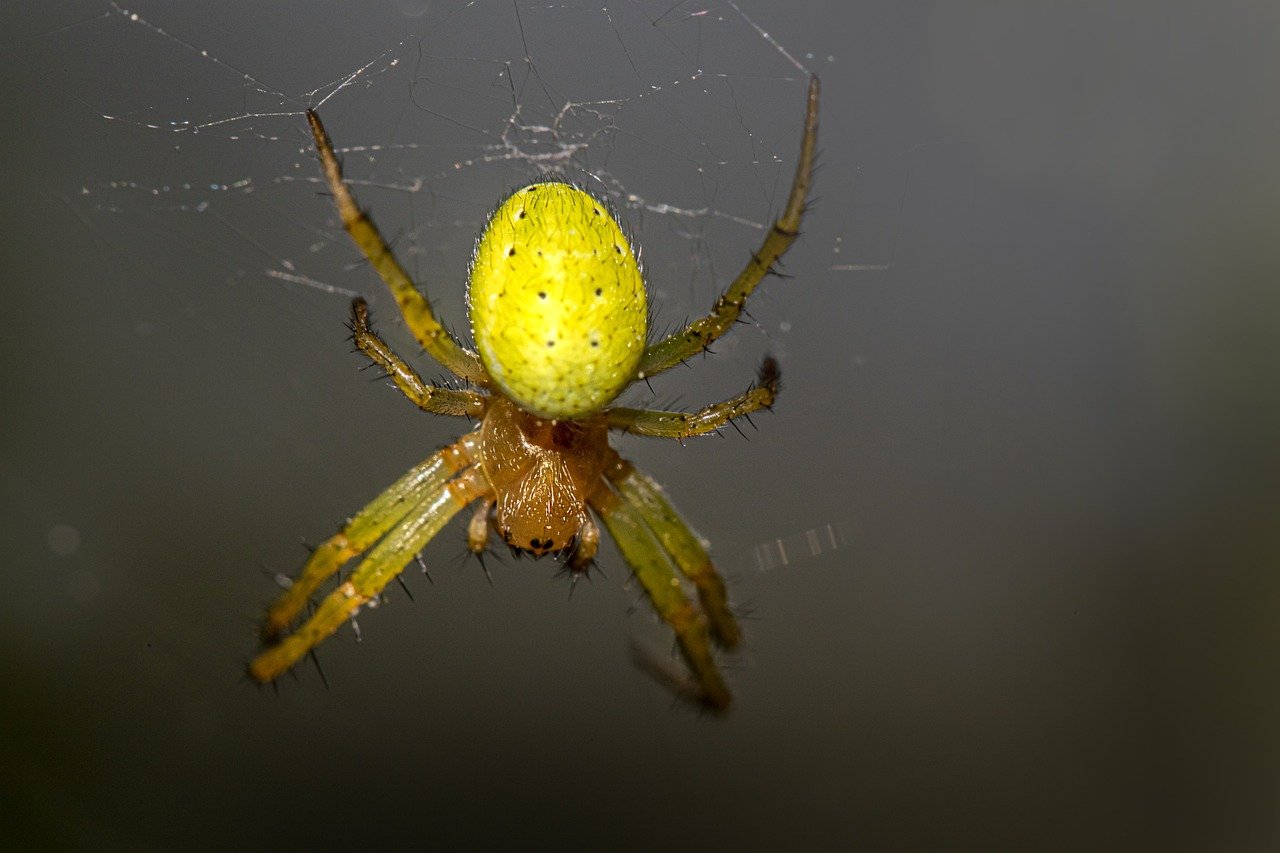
column 1030, row 364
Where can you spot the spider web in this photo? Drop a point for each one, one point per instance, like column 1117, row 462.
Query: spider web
column 685, row 116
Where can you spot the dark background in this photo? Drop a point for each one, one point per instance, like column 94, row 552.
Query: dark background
column 1030, row 363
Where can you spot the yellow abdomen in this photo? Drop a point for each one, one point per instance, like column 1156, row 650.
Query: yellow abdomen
column 558, row 306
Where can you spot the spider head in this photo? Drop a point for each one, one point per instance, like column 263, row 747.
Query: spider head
column 538, row 536
column 541, row 473
column 543, row 512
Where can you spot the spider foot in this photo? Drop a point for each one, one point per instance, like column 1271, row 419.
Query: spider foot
column 769, row 375
column 666, row 671
column 484, row 557
column 577, row 564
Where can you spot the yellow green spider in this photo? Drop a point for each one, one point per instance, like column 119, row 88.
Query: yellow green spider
column 560, row 318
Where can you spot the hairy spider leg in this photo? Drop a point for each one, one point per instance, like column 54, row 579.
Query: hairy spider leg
column 701, row 333
column 387, row 559
column 367, row 527
column 429, row 398
column 650, row 503
column 681, row 425
column 584, row 550
column 478, row 527
column 435, row 338
column 656, row 571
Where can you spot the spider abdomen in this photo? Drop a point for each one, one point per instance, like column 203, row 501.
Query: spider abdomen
column 558, row 305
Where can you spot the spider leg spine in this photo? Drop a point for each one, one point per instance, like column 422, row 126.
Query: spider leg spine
column 382, row 564
column 429, row 398
column 681, row 425
column 683, row 545
column 364, row 529
column 656, row 570
column 417, row 312
column 698, row 335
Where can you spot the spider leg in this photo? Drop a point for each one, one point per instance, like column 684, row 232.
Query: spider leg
column 654, row 568
column 584, row 549
column 367, row 527
column 680, row 425
column 701, row 333
column 478, row 528
column 429, row 398
column 387, row 559
column 647, row 500
column 435, row 338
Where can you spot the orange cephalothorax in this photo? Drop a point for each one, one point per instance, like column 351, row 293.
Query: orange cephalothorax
column 541, row 472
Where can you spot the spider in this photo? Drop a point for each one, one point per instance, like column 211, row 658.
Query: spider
column 559, row 315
